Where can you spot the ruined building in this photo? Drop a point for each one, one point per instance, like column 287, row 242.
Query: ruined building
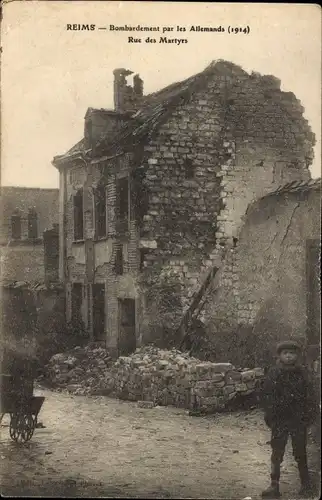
column 154, row 198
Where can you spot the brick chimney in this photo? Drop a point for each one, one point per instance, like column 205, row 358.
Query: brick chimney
column 125, row 96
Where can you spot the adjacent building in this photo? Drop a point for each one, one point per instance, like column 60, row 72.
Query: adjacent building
column 32, row 300
column 153, row 198
column 26, row 214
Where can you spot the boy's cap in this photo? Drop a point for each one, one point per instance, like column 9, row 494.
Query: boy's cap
column 288, row 344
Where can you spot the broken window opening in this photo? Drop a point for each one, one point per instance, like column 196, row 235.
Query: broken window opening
column 119, row 261
column 16, row 227
column 143, row 253
column 139, row 195
column 78, row 216
column 32, row 224
column 122, row 197
column 189, row 169
column 100, row 211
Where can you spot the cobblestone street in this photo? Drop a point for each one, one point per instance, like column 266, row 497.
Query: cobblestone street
column 105, row 447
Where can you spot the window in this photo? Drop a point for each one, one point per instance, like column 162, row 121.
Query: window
column 122, row 197
column 189, row 169
column 32, row 224
column 143, row 253
column 75, row 176
column 78, row 216
column 119, row 261
column 16, row 227
column 100, row 211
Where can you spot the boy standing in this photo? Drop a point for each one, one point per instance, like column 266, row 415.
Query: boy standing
column 290, row 406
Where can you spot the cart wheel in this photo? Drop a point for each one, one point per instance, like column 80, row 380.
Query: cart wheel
column 22, row 426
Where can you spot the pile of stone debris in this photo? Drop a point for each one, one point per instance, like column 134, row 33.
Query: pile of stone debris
column 153, row 375
column 150, row 373
column 81, row 370
column 174, row 378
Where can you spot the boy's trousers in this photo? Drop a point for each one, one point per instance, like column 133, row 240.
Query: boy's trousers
column 279, row 439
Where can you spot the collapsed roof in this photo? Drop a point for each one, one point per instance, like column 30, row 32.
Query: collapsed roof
column 156, row 106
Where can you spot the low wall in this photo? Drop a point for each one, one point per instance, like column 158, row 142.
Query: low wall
column 173, row 378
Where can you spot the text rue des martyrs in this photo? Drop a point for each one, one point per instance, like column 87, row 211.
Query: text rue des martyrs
column 176, row 41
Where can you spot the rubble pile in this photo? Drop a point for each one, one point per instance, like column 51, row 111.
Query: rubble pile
column 160, row 377
column 174, row 378
column 81, row 370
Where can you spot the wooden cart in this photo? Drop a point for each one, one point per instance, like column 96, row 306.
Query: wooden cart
column 18, row 401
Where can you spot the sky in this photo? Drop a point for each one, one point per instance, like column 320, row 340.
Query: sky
column 51, row 75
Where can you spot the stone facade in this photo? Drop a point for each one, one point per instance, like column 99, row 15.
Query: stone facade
column 195, row 155
column 25, row 214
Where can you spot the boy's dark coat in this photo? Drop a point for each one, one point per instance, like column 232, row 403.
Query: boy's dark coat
column 289, row 397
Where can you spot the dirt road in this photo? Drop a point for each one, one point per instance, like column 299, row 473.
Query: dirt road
column 105, row 447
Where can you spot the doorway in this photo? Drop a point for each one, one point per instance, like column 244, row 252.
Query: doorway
column 127, row 336
column 98, row 311
column 76, row 303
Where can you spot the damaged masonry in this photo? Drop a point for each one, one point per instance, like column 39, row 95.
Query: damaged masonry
column 173, row 225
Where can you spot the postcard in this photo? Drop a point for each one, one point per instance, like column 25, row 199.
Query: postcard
column 160, row 249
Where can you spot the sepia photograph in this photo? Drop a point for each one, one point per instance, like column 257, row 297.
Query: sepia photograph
column 160, row 246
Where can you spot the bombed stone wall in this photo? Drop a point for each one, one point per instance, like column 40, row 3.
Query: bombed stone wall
column 269, row 141
column 182, row 199
column 267, row 291
column 257, row 108
column 239, row 139
column 236, row 140
column 184, row 193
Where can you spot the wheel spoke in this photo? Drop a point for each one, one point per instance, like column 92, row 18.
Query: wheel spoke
column 22, row 427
